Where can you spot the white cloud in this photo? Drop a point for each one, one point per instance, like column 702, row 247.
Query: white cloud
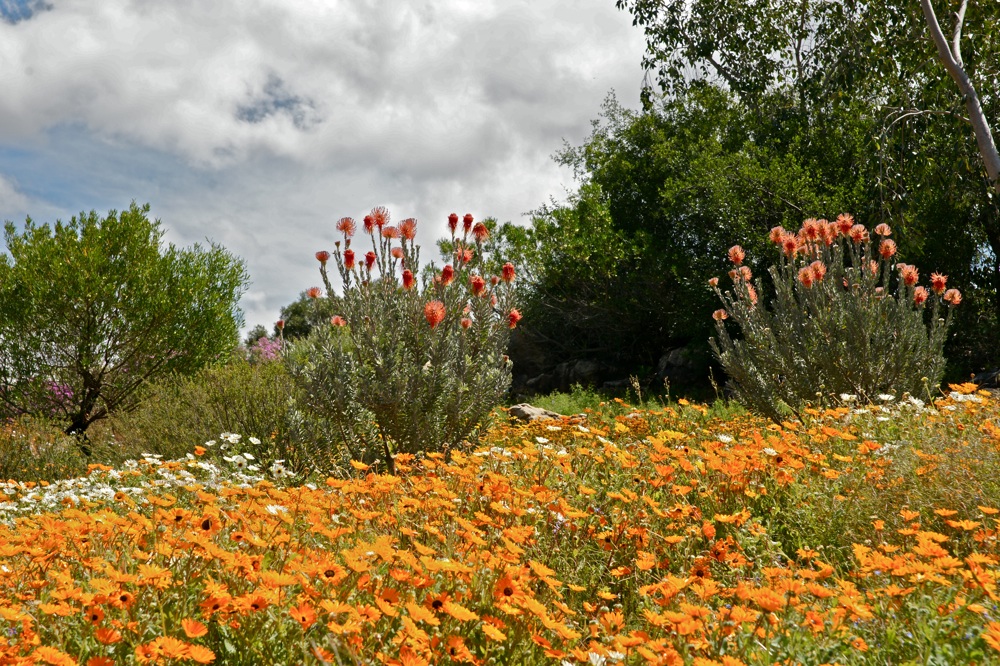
column 257, row 122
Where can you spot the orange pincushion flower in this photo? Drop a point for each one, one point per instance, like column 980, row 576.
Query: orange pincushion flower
column 920, row 295
column 515, row 316
column 346, row 226
column 789, row 245
column 909, row 274
column 806, row 276
column 396, row 252
column 507, row 272
column 887, row 248
column 818, row 269
column 337, row 320
column 480, row 232
column 810, row 229
column 938, row 282
column 883, row 229
column 314, row 292
column 408, row 279
column 858, row 233
column 322, row 257
column 408, row 228
column 280, row 324
column 369, row 223
column 348, row 259
column 776, row 234
column 953, row 296
column 447, row 275
column 434, row 313
column 751, row 293
column 713, row 282
column 720, row 315
column 737, row 255
column 844, row 223
column 390, row 232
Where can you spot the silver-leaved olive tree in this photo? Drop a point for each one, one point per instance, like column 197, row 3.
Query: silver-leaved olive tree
column 92, row 309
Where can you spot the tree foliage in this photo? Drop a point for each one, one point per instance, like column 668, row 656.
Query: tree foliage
column 92, row 309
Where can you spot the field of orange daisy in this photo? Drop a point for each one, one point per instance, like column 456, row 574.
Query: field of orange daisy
column 867, row 534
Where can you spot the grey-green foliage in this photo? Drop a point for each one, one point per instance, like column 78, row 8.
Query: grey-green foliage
column 857, row 330
column 92, row 309
column 386, row 381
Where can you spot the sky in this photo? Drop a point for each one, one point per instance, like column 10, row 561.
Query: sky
column 256, row 124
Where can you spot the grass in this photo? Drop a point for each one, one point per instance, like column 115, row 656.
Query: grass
column 656, row 534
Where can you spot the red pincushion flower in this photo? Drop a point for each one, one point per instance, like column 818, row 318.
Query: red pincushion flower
column 737, row 255
column 390, row 232
column 806, row 276
column 337, row 320
column 887, row 248
column 480, row 232
column 953, row 296
column 478, row 285
column 818, row 269
column 322, row 257
column 507, row 272
column 920, row 295
column 434, row 313
column 467, row 222
column 280, row 324
column 408, row 228
column 380, row 215
column 938, row 282
column 349, row 259
column 858, row 233
column 396, row 252
column 346, row 226
column 844, row 223
column 447, row 275
column 369, row 260
column 513, row 317
column 883, row 229
column 466, row 322
column 909, row 274
column 453, row 222
column 776, row 234
column 314, row 292
column 408, row 280
column 369, row 222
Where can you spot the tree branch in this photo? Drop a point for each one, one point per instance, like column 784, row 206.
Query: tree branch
column 956, row 49
column 980, row 126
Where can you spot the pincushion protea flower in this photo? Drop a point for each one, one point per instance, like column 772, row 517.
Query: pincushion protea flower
column 720, row 315
column 480, row 233
column 314, row 292
column 467, row 222
column 887, row 249
column 408, row 228
column 844, row 223
column 434, row 313
column 453, row 222
column 953, row 296
column 346, row 226
column 909, row 274
column 507, row 272
column 447, row 275
column 737, row 255
column 337, row 320
column 938, row 282
column 858, row 233
column 349, row 259
column 513, row 317
column 322, row 257
column 408, row 280
column 883, row 230
column 369, row 260
column 478, row 285
column 920, row 295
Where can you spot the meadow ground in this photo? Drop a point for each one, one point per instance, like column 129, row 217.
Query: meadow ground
column 678, row 534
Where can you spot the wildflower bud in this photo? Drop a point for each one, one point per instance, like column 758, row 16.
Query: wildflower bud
column 280, row 324
column 513, row 317
column 369, row 223
column 953, row 296
column 920, row 295
column 507, row 273
column 494, row 280
column 337, row 320
column 369, row 259
column 466, row 322
column 887, row 249
column 479, row 232
column 447, row 275
column 720, row 315
column 478, row 285
column 434, row 313
column 408, row 280
column 938, row 282
column 713, row 282
column 883, row 230
column 314, row 292
column 322, row 257
column 467, row 222
column 349, row 259
column 737, row 255
column 453, row 223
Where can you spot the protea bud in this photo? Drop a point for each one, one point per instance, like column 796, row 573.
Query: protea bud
column 322, row 257
column 349, row 259
column 507, row 273
column 408, row 280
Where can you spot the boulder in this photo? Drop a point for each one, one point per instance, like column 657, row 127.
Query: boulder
column 990, row 379
column 526, row 412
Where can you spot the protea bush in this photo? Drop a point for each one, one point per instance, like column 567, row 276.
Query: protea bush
column 408, row 364
column 845, row 320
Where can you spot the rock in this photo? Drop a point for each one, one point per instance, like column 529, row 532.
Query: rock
column 526, row 412
column 587, row 373
column 990, row 379
column 617, row 384
column 679, row 366
column 543, row 383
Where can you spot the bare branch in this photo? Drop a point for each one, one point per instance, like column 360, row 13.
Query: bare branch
column 956, row 49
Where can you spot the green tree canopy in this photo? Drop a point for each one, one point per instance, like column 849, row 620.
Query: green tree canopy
column 93, row 308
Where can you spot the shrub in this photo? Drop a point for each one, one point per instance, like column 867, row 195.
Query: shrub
column 407, row 367
column 92, row 309
column 844, row 320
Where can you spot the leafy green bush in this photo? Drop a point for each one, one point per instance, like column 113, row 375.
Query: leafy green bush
column 835, row 325
column 405, row 367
